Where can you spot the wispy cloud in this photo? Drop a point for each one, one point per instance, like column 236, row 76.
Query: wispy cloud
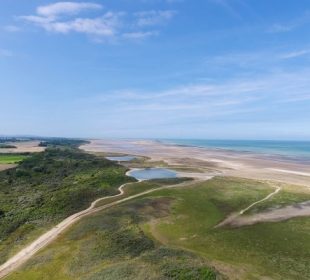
column 64, row 18
column 295, row 54
column 290, row 25
column 139, row 35
column 105, row 25
column 150, row 18
column 63, row 8
column 227, row 6
column 230, row 97
column 50, row 17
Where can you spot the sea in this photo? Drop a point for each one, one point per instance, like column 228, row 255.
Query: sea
column 291, row 150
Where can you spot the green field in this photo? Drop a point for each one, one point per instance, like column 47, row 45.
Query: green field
column 11, row 158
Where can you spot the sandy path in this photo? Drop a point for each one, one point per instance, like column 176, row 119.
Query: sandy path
column 45, row 239
column 275, row 215
column 234, row 217
column 260, row 201
column 6, row 166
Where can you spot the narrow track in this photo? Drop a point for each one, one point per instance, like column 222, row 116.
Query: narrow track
column 30, row 250
column 262, row 200
column 233, row 217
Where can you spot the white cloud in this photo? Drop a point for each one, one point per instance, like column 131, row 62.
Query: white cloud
column 295, row 54
column 150, row 18
column 290, row 25
column 233, row 95
column 49, row 17
column 62, row 17
column 62, row 8
column 139, row 35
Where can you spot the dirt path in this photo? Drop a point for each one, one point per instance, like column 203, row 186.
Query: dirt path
column 25, row 254
column 274, row 215
column 234, row 217
column 260, row 201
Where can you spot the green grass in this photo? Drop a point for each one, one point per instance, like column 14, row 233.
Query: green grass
column 111, row 245
column 139, row 187
column 11, row 158
column 289, row 195
column 278, row 250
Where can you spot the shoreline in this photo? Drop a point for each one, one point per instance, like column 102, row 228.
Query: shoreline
column 228, row 163
column 263, row 154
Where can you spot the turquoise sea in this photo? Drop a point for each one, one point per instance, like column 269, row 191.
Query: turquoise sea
column 295, row 150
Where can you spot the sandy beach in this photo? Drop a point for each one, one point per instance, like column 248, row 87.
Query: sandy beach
column 226, row 162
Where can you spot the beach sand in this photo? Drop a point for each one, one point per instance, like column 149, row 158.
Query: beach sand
column 225, row 162
column 24, row 147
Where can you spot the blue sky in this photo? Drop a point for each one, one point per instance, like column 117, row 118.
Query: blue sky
column 234, row 69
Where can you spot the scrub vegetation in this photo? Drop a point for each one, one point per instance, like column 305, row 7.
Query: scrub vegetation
column 111, row 245
column 49, row 186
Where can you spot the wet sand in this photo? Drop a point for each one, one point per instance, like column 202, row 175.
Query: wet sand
column 227, row 163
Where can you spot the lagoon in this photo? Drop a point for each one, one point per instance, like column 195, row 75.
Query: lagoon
column 121, row 158
column 152, row 173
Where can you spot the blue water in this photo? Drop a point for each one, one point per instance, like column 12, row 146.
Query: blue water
column 123, row 158
column 296, row 150
column 152, row 173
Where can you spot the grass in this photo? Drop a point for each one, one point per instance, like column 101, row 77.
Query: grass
column 289, row 195
column 278, row 250
column 139, row 187
column 11, row 158
column 111, row 245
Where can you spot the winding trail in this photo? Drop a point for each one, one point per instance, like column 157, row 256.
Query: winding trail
column 30, row 250
column 232, row 218
column 262, row 200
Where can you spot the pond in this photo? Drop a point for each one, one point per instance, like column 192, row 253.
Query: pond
column 121, row 158
column 152, row 173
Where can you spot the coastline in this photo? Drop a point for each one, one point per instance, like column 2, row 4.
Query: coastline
column 227, row 162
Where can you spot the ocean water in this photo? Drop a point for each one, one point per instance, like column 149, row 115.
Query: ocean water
column 295, row 150
column 152, row 173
